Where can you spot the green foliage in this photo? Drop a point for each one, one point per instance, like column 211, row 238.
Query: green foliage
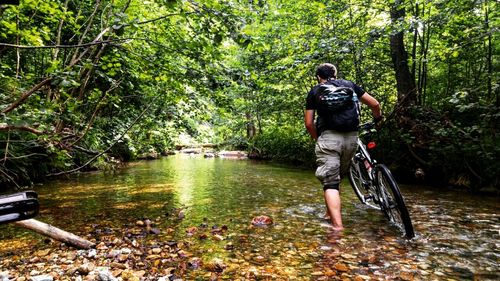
column 287, row 144
column 452, row 146
column 133, row 79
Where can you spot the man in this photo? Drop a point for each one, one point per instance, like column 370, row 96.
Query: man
column 334, row 148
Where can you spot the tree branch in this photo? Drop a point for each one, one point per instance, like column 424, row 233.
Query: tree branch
column 59, row 46
column 95, row 42
column 106, row 150
column 94, row 114
column 416, row 157
column 25, row 156
column 5, row 127
column 164, row 17
column 88, row 151
column 25, row 95
column 8, row 177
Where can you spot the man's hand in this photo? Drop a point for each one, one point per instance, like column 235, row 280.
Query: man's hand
column 309, row 123
column 378, row 122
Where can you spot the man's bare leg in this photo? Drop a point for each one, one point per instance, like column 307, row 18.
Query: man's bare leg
column 332, row 200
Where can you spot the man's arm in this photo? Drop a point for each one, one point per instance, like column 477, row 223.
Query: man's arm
column 373, row 104
column 309, row 122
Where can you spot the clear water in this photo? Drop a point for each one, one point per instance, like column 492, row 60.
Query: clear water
column 457, row 233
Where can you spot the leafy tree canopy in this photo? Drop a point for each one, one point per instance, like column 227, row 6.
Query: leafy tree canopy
column 90, row 83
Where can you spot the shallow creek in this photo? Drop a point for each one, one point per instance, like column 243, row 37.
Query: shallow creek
column 201, row 211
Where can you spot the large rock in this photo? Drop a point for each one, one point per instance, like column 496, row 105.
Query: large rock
column 233, row 154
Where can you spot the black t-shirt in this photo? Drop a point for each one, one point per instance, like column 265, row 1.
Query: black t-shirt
column 323, row 121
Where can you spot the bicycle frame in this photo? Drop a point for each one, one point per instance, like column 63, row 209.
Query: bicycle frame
column 375, row 186
column 366, row 156
column 362, row 154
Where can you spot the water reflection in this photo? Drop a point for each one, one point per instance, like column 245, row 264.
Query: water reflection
column 457, row 234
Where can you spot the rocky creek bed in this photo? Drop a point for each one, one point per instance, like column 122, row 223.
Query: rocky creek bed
column 146, row 250
column 200, row 228
column 141, row 251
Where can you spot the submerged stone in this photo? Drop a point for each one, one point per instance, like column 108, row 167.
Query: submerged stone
column 262, row 221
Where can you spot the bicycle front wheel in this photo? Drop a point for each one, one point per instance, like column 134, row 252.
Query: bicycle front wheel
column 360, row 182
column 392, row 202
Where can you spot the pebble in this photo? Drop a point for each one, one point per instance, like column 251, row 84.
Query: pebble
column 129, row 276
column 423, row 266
column 406, row 276
column 156, row 250
column 218, row 237
column 34, row 273
column 117, row 241
column 101, row 246
column 122, row 257
column 85, row 268
column 341, row 267
column 42, row 253
column 92, row 253
column 42, row 278
column 104, row 274
column 424, row 273
column 259, row 259
column 126, row 251
column 194, row 263
column 118, row 265
column 113, row 253
column 438, row 273
column 348, row 256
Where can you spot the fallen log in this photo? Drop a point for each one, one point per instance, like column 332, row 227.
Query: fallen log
column 55, row 233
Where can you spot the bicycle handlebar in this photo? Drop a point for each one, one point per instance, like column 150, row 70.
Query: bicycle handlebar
column 367, row 126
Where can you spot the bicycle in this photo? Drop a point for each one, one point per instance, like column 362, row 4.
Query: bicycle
column 18, row 206
column 374, row 184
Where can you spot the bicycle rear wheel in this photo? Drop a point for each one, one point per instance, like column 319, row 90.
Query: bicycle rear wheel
column 392, row 202
column 358, row 177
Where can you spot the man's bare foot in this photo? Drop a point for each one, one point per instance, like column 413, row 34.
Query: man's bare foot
column 337, row 228
column 334, row 228
column 333, row 237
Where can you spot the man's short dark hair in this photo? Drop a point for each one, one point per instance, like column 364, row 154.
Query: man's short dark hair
column 326, row 71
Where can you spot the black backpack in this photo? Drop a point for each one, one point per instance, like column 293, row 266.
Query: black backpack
column 338, row 108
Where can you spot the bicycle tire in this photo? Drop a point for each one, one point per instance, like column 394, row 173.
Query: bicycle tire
column 358, row 181
column 391, row 201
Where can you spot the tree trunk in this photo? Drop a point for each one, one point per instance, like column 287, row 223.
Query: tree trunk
column 55, row 233
column 355, row 57
column 407, row 92
column 422, row 83
column 489, row 54
column 414, row 60
column 250, row 126
column 59, row 31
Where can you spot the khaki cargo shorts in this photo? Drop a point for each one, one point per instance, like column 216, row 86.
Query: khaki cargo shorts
column 334, row 151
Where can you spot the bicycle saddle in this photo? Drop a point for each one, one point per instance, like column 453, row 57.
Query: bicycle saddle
column 18, row 206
